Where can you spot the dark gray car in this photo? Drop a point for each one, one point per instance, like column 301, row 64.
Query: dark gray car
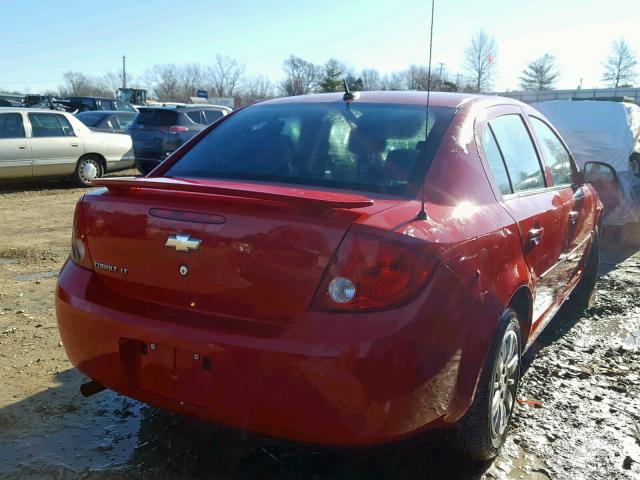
column 106, row 121
column 158, row 131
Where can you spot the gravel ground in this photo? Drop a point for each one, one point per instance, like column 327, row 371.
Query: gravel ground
column 578, row 413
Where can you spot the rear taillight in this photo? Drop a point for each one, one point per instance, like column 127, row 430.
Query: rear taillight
column 371, row 273
column 176, row 129
column 79, row 247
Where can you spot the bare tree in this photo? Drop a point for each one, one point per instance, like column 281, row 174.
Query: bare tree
column 540, row 74
column 417, row 78
column 370, row 79
column 164, row 82
column 111, row 81
column 77, row 84
column 191, row 79
column 258, row 88
column 620, row 67
column 480, row 57
column 225, row 75
column 301, row 76
column 394, row 81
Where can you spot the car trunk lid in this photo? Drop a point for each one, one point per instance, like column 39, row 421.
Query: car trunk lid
column 249, row 251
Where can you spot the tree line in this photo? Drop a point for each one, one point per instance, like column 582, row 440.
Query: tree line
column 226, row 76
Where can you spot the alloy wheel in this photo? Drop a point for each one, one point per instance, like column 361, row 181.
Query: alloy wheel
column 505, row 383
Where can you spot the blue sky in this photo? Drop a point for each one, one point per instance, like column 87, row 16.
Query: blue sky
column 40, row 40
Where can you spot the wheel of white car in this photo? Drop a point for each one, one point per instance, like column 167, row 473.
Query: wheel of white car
column 88, row 168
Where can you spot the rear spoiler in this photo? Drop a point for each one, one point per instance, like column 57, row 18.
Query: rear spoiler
column 297, row 196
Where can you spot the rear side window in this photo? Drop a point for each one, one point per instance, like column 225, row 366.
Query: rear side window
column 50, row 125
column 106, row 104
column 211, row 116
column 518, row 152
column 496, row 162
column 157, row 117
column 11, row 125
column 89, row 102
column 555, row 154
column 371, row 147
column 196, row 116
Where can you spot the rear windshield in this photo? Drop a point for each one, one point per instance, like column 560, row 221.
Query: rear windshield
column 156, row 117
column 90, row 119
column 366, row 146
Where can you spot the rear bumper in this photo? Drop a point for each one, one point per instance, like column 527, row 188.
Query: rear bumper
column 335, row 379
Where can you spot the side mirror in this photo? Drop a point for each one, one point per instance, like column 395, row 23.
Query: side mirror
column 598, row 172
column 578, row 178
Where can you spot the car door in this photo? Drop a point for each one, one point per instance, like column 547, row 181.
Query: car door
column 54, row 145
column 15, row 147
column 577, row 222
column 523, row 192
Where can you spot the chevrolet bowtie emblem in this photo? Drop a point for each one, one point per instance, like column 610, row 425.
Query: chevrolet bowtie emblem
column 183, row 242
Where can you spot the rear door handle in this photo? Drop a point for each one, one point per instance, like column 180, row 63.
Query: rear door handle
column 74, row 144
column 573, row 217
column 22, row 147
column 534, row 236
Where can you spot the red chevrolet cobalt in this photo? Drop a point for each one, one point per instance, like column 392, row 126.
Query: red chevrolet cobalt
column 341, row 269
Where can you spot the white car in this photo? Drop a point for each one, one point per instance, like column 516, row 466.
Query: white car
column 48, row 143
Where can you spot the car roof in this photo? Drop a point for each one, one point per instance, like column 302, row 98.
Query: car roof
column 96, row 98
column 30, row 110
column 108, row 112
column 436, row 99
column 175, row 108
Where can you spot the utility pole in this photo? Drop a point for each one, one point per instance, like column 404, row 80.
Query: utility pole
column 441, row 66
column 124, row 72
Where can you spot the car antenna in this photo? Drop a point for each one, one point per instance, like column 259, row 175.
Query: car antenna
column 422, row 214
column 348, row 95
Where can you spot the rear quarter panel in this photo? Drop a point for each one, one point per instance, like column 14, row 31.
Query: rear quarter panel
column 474, row 237
column 114, row 147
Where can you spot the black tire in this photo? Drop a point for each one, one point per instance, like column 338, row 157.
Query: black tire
column 145, row 168
column 87, row 169
column 478, row 435
column 584, row 295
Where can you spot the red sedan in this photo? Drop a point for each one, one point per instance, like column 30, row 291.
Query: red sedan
column 335, row 269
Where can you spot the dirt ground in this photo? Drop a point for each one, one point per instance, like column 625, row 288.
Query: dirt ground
column 578, row 412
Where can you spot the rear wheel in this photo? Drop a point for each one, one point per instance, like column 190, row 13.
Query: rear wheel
column 482, row 431
column 88, row 168
column 145, row 168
